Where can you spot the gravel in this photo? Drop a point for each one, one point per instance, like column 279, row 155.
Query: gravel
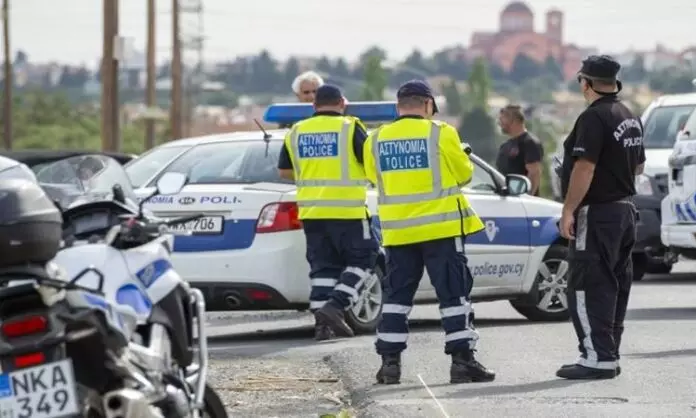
column 278, row 387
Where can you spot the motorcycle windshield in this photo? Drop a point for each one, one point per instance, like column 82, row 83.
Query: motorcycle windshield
column 85, row 178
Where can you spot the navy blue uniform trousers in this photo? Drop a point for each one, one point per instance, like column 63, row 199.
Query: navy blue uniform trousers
column 446, row 264
column 341, row 256
column 599, row 281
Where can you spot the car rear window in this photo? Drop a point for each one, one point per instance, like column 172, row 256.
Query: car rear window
column 663, row 124
column 234, row 162
column 142, row 169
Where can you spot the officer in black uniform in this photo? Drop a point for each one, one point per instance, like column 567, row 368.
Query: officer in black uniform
column 602, row 155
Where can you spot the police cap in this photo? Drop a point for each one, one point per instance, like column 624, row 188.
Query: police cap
column 602, row 67
column 328, row 94
column 417, row 88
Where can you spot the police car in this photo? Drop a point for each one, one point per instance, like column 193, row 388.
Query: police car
column 678, row 229
column 248, row 252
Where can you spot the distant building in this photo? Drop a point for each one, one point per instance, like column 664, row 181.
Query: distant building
column 517, row 36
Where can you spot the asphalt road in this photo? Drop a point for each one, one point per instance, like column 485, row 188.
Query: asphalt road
column 304, row 378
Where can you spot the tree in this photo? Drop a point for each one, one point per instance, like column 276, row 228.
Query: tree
column 290, row 71
column 477, row 128
column 341, row 68
column 479, row 83
column 524, row 68
column 375, row 79
column 265, row 75
column 324, row 65
column 538, row 90
column 636, row 71
column 453, row 98
column 553, row 69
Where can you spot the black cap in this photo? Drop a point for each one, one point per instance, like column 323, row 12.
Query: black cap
column 417, row 88
column 327, row 94
column 601, row 67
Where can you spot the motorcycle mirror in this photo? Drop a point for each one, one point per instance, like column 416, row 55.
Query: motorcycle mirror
column 119, row 196
column 171, row 183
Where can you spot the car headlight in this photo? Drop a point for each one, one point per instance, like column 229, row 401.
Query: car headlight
column 644, row 185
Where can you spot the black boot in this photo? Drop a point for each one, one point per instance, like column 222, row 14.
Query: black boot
column 323, row 332
column 390, row 372
column 578, row 372
column 465, row 369
column 334, row 318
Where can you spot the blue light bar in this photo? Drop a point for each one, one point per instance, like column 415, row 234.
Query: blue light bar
column 365, row 111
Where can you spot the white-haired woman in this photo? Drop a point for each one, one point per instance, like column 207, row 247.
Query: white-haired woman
column 305, row 86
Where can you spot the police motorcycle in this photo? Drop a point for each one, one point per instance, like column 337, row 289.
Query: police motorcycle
column 94, row 322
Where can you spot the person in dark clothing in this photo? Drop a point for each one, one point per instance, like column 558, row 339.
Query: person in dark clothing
column 602, row 155
column 522, row 153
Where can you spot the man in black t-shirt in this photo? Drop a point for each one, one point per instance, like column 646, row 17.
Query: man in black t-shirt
column 602, row 155
column 522, row 153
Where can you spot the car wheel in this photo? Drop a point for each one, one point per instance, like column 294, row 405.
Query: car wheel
column 659, row 268
column 364, row 315
column 548, row 300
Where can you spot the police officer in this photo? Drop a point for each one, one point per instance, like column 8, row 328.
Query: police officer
column 522, row 153
column 418, row 167
column 602, row 155
column 324, row 154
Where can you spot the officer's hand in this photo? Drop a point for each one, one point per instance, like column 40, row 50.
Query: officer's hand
column 565, row 225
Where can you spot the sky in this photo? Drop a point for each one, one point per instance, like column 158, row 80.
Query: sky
column 70, row 31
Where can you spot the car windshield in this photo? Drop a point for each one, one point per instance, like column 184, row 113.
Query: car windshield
column 663, row 124
column 230, row 162
column 142, row 169
column 83, row 178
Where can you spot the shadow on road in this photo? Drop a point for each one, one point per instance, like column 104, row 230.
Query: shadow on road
column 467, row 392
column 660, row 354
column 668, row 279
column 661, row 314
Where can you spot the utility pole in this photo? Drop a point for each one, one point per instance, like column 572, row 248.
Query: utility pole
column 176, row 100
column 109, row 78
column 150, row 96
column 7, row 108
column 192, row 40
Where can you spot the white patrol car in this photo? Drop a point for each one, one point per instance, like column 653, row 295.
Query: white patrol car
column 678, row 229
column 248, row 253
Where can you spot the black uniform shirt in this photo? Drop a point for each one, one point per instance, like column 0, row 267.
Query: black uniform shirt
column 515, row 153
column 609, row 135
column 359, row 137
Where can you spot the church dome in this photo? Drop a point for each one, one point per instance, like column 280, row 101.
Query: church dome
column 517, row 7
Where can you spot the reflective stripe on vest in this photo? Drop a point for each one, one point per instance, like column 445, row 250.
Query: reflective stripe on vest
column 437, row 191
column 344, row 152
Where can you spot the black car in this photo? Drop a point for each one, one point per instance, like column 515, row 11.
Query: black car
column 36, row 158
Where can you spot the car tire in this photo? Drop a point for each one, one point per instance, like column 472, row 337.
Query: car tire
column 659, row 268
column 364, row 316
column 548, row 300
column 640, row 266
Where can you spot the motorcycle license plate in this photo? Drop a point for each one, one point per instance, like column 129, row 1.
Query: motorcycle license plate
column 44, row 391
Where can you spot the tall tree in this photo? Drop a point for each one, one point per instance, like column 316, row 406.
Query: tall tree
column 375, row 79
column 290, row 71
column 453, row 98
column 553, row 69
column 477, row 128
column 479, row 83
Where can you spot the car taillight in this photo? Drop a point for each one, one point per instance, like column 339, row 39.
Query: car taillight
column 27, row 325
column 277, row 217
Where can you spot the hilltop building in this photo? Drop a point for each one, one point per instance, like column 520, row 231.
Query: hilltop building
column 517, row 35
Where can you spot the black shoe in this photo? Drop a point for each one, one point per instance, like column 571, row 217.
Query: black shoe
column 465, row 369
column 334, row 318
column 390, row 371
column 565, row 366
column 323, row 332
column 578, row 372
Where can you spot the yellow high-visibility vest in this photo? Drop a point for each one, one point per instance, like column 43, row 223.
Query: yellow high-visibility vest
column 331, row 184
column 419, row 168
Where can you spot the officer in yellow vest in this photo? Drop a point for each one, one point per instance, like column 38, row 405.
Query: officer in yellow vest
column 324, row 154
column 418, row 167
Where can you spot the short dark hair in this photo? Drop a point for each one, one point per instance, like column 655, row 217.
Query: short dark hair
column 410, row 102
column 324, row 101
column 513, row 111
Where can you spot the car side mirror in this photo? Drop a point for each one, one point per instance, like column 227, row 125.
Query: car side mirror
column 171, row 183
column 516, row 184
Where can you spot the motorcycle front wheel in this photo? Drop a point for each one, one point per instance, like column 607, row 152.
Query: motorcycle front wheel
column 214, row 408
